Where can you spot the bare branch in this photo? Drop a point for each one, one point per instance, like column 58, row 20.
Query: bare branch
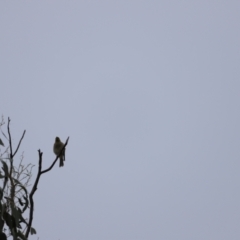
column 19, row 143
column 10, row 139
column 32, row 193
column 34, row 188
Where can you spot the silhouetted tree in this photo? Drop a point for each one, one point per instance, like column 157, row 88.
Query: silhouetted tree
column 16, row 201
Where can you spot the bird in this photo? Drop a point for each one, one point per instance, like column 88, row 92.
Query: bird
column 57, row 149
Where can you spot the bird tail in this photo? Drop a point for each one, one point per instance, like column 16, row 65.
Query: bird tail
column 61, row 162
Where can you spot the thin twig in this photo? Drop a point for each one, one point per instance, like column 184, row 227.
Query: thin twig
column 19, row 143
column 6, row 150
column 1, row 124
column 10, row 140
column 3, row 133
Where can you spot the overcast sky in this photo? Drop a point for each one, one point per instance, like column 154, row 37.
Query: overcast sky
column 149, row 93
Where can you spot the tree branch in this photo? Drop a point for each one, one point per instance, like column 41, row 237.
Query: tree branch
column 19, row 143
column 32, row 193
column 40, row 172
column 10, row 139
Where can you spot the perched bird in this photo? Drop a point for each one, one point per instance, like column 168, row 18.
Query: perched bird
column 57, row 149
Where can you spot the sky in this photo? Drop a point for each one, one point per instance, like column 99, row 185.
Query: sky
column 149, row 94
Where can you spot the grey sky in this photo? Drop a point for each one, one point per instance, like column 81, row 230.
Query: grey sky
column 148, row 92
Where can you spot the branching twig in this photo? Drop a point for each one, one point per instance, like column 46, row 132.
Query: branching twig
column 10, row 140
column 34, row 188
